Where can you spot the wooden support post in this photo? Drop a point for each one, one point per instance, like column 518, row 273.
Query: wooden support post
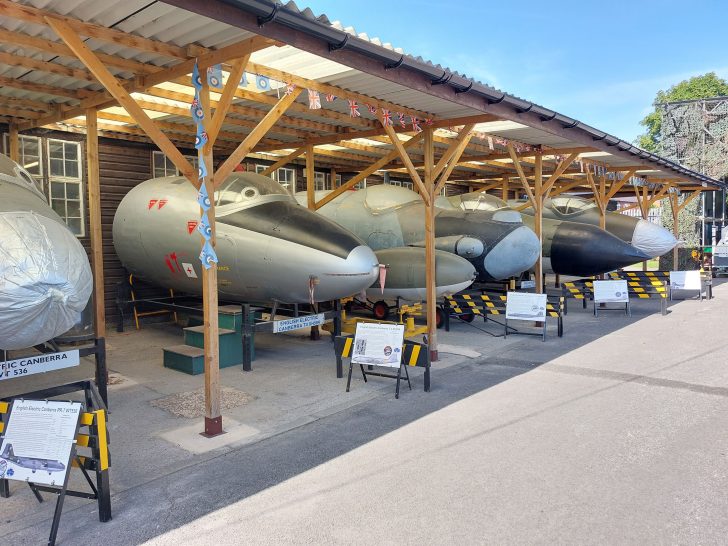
column 430, row 280
column 228, row 94
column 210, row 333
column 14, row 142
column 332, row 176
column 504, row 188
column 94, row 208
column 538, row 220
column 310, row 183
column 675, row 228
column 101, row 73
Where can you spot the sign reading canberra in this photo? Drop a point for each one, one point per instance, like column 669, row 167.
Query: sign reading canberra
column 298, row 322
column 29, row 365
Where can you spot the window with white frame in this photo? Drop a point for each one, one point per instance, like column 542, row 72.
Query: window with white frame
column 64, row 176
column 401, row 184
column 286, row 178
column 260, row 168
column 163, row 166
column 361, row 185
column 322, row 181
column 30, row 153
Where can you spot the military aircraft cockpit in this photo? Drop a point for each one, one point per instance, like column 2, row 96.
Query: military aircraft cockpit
column 243, row 190
column 569, row 205
column 13, row 173
column 478, row 201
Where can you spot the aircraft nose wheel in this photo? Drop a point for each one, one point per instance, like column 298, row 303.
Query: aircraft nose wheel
column 380, row 310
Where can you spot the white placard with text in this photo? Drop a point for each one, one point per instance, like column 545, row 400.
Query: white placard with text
column 611, row 291
column 685, row 280
column 40, row 363
column 526, row 306
column 378, row 344
column 37, row 443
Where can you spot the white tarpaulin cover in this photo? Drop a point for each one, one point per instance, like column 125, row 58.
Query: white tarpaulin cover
column 45, row 279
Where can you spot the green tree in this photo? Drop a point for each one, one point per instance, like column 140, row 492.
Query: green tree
column 698, row 87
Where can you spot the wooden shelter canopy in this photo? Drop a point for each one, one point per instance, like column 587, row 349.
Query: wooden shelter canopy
column 150, row 49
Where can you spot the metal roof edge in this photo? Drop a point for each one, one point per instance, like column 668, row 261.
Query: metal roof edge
column 291, row 16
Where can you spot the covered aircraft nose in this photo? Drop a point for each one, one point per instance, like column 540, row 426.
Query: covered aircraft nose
column 513, row 254
column 584, row 250
column 652, row 239
column 45, row 279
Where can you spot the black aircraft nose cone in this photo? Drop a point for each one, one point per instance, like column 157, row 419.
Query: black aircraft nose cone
column 583, row 250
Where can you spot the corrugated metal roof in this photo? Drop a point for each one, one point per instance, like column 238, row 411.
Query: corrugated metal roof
column 166, row 23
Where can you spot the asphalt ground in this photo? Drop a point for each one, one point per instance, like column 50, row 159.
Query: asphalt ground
column 614, row 434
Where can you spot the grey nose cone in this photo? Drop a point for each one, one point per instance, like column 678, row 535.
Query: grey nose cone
column 513, row 254
column 350, row 276
column 652, row 239
column 583, row 250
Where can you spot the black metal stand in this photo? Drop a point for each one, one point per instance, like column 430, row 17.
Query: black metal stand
column 388, row 375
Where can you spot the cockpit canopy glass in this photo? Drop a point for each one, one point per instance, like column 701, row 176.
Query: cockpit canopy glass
column 571, row 205
column 244, row 189
column 12, row 172
column 480, row 201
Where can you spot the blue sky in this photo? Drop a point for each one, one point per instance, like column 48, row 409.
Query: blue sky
column 600, row 62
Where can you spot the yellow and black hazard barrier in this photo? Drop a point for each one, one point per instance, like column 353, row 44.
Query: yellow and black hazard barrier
column 655, row 277
column 638, row 286
column 92, row 455
column 413, row 354
column 467, row 306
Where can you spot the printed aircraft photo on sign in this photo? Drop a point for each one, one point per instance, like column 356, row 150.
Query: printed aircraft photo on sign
column 31, row 463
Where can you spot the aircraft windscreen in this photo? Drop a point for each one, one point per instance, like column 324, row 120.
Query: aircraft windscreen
column 244, row 189
column 12, row 172
column 480, row 201
column 571, row 205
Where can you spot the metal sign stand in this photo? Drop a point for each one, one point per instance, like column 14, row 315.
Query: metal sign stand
column 380, row 374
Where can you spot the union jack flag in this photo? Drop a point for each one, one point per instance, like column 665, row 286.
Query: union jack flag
column 428, row 121
column 400, row 115
column 289, row 88
column 314, row 100
column 330, row 97
column 490, row 142
column 415, row 124
column 386, row 117
column 354, row 109
column 372, row 109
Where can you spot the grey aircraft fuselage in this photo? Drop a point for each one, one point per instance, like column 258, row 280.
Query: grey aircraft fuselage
column 569, row 248
column 646, row 236
column 387, row 217
column 45, row 275
column 269, row 247
column 31, row 463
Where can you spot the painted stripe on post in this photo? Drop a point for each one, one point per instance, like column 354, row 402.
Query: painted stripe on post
column 347, row 347
column 413, row 356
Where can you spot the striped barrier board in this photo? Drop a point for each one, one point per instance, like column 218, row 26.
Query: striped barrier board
column 641, row 287
column 483, row 304
column 413, row 354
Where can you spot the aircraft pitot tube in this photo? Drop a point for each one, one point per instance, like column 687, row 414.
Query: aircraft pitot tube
column 45, row 276
column 269, row 247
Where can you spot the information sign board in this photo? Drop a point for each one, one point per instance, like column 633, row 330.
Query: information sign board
column 37, row 443
column 29, row 365
column 378, row 344
column 611, row 291
column 298, row 322
column 526, row 306
column 685, row 280
column 528, row 284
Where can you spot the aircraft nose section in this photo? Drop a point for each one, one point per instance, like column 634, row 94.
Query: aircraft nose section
column 47, row 279
column 513, row 254
column 350, row 276
column 652, row 239
column 583, row 250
